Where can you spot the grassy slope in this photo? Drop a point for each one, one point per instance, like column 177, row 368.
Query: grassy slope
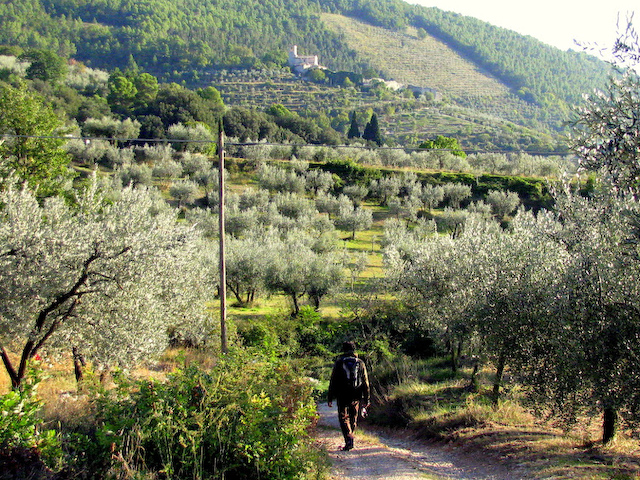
column 410, row 60
column 429, row 62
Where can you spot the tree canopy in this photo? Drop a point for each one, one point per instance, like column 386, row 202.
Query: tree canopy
column 31, row 149
column 99, row 276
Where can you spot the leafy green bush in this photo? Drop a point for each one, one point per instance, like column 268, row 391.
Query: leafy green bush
column 20, row 423
column 351, row 172
column 246, row 418
column 315, row 336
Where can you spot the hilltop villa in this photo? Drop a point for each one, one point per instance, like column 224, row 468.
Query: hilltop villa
column 302, row 63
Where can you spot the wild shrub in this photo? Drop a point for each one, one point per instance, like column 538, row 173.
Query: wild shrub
column 314, row 335
column 246, row 418
column 21, row 427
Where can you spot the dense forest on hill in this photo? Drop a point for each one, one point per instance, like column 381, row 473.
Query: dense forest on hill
column 155, row 34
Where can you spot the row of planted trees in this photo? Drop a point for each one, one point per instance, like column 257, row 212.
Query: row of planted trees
column 99, row 229
column 554, row 299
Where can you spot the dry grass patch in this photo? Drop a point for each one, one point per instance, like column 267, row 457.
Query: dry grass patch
column 551, row 452
column 511, row 434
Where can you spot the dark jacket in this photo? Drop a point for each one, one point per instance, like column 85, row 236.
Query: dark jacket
column 338, row 387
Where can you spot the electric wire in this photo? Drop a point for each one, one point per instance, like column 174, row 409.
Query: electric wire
column 125, row 140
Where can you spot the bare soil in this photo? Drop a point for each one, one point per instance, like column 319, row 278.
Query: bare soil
column 380, row 455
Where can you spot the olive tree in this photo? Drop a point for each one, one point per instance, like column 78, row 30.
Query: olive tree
column 518, row 274
column 353, row 219
column 590, row 364
column 326, row 275
column 279, row 179
column 432, row 195
column 456, row 193
column 438, row 277
column 502, row 203
column 385, row 188
column 104, row 276
column 111, row 128
column 185, row 191
column 296, row 270
column 606, row 134
column 597, row 368
column 356, row 193
column 193, row 138
column 319, row 181
column 327, row 203
column 246, row 262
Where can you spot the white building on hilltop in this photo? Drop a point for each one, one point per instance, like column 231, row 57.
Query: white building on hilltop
column 301, row 64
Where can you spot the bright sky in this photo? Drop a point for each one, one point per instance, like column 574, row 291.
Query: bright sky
column 555, row 22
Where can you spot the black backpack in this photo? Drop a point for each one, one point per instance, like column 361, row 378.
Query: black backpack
column 352, row 372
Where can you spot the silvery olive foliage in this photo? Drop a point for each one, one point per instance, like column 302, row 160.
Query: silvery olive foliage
column 456, row 193
column 133, row 174
column 319, row 181
column 503, row 203
column 291, row 262
column 110, row 278
column 276, row 243
column 555, row 298
column 111, row 128
column 356, row 193
column 440, row 277
column 591, row 362
column 431, row 195
column 608, row 131
column 277, row 179
column 191, row 138
column 385, row 188
column 246, row 262
column 185, row 191
column 607, row 128
column 352, row 219
column 295, row 269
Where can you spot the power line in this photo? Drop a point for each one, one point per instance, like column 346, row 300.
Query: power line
column 88, row 140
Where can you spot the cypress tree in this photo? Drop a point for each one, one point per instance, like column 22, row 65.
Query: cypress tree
column 354, row 130
column 372, row 131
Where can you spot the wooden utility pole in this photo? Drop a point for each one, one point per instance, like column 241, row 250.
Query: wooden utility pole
column 223, row 270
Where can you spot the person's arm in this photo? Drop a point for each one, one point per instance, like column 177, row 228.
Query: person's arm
column 365, row 390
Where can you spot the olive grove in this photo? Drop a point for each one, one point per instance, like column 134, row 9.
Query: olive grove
column 553, row 296
column 108, row 277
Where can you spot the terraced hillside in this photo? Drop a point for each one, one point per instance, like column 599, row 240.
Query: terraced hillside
column 409, row 59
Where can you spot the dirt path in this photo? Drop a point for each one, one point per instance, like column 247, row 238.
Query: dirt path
column 377, row 456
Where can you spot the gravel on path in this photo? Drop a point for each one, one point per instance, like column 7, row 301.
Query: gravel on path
column 378, row 456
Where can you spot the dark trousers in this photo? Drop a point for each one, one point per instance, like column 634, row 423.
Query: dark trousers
column 348, row 417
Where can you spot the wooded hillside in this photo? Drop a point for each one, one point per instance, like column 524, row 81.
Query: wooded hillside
column 171, row 38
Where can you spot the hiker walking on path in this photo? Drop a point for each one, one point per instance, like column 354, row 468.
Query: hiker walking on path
column 349, row 385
